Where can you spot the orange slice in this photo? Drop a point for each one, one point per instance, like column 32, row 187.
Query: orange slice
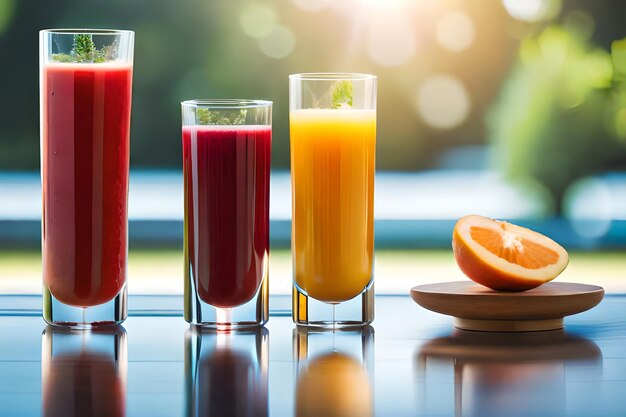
column 505, row 257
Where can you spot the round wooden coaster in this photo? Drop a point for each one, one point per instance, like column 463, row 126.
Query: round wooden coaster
column 475, row 307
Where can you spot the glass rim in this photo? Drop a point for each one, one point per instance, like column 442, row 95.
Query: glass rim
column 332, row 76
column 229, row 103
column 83, row 31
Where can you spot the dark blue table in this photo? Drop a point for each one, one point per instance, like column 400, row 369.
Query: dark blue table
column 409, row 362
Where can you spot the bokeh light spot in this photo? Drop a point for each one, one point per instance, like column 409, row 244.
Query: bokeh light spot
column 455, row 31
column 279, row 43
column 587, row 204
column 443, row 102
column 258, row 19
column 392, row 40
column 312, row 5
column 532, row 10
column 580, row 22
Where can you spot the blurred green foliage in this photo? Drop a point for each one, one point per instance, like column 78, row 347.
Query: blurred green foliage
column 183, row 50
column 6, row 13
column 561, row 114
column 219, row 49
column 216, row 49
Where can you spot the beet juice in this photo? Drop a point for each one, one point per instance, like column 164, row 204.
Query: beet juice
column 226, row 174
column 85, row 157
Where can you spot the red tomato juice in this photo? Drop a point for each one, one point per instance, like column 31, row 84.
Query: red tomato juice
column 226, row 175
column 85, row 157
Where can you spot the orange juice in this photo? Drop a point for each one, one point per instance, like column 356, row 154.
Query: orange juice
column 332, row 168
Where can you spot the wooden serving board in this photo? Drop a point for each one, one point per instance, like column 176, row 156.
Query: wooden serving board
column 475, row 307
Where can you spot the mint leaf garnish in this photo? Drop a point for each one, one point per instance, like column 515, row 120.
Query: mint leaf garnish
column 208, row 117
column 84, row 50
column 342, row 95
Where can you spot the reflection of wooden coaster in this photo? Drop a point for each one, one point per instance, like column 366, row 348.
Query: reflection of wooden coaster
column 475, row 307
column 530, row 369
column 481, row 347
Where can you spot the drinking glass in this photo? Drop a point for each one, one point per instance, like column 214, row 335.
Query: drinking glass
column 226, row 372
column 85, row 97
column 84, row 373
column 226, row 169
column 333, row 145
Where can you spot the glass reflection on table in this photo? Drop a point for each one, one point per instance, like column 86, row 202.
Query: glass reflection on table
column 504, row 374
column 334, row 372
column 226, row 372
column 84, row 373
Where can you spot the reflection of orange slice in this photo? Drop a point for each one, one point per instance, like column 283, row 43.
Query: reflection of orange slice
column 503, row 256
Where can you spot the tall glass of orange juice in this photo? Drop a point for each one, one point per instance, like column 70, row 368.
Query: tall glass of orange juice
column 333, row 147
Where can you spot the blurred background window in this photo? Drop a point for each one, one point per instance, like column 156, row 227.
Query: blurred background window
column 514, row 109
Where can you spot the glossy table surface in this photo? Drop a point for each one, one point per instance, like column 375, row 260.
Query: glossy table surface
column 410, row 362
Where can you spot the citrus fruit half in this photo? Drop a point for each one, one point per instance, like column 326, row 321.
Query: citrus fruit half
column 505, row 257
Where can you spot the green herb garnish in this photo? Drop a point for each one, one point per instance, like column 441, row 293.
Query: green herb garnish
column 63, row 58
column 208, row 117
column 342, row 95
column 84, row 50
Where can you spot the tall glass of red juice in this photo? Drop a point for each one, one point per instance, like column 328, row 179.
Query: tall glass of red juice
column 226, row 169
column 85, row 81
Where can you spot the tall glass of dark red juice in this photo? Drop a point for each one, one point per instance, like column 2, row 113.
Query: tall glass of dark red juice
column 86, row 79
column 226, row 169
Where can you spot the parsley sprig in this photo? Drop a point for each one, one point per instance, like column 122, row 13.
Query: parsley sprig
column 84, row 50
column 207, row 117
